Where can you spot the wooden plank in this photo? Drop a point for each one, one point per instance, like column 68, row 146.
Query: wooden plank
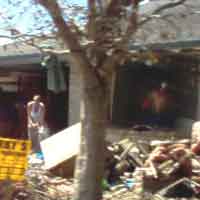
column 61, row 147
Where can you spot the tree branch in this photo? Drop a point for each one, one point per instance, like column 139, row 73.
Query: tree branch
column 91, row 6
column 30, row 43
column 111, row 61
column 71, row 40
column 25, row 36
column 113, row 8
column 169, row 5
column 132, row 26
column 91, row 19
column 161, row 9
column 64, row 29
column 29, row 39
column 100, row 4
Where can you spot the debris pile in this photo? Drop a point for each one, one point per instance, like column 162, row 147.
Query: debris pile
column 164, row 169
column 122, row 157
column 45, row 184
column 134, row 170
column 123, row 174
column 173, row 166
column 39, row 184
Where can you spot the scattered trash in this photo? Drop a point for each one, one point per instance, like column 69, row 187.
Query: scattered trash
column 132, row 172
column 40, row 155
column 129, row 183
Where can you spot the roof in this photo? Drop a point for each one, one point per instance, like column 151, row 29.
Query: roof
column 180, row 44
column 21, row 48
column 180, row 23
column 14, row 49
column 20, row 53
column 180, row 28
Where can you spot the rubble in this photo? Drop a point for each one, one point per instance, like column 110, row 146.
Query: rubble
column 39, row 184
column 164, row 170
column 47, row 184
column 132, row 171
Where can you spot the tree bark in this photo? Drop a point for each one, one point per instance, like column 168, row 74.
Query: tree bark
column 90, row 162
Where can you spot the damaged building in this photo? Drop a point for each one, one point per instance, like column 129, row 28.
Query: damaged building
column 176, row 74
column 23, row 74
column 170, row 59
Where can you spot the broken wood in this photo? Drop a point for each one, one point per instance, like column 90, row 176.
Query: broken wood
column 166, row 164
column 169, row 142
column 126, row 151
column 136, row 159
column 153, row 169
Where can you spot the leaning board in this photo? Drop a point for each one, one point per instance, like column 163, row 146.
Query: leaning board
column 61, row 146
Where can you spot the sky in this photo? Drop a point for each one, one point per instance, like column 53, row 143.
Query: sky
column 81, row 2
column 23, row 15
column 23, row 19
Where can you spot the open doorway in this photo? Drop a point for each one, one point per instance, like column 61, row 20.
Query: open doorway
column 139, row 98
column 17, row 87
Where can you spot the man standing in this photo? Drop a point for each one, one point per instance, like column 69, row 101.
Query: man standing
column 36, row 122
column 159, row 107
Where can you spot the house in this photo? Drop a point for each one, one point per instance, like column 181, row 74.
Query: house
column 168, row 49
column 22, row 75
column 173, row 43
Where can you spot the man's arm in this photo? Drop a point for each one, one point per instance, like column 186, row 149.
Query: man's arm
column 42, row 114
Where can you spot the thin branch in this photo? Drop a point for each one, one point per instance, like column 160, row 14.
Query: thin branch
column 166, row 19
column 133, row 20
column 44, row 50
column 170, row 22
column 91, row 18
column 71, row 40
column 110, row 62
column 41, row 49
column 22, row 39
column 132, row 26
column 161, row 9
column 19, row 36
column 64, row 29
column 169, row 5
column 77, row 30
column 91, row 6
column 100, row 5
column 113, row 8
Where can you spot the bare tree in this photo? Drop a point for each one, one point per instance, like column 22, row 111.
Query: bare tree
column 97, row 46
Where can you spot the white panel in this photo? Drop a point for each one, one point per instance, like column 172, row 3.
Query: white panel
column 61, row 146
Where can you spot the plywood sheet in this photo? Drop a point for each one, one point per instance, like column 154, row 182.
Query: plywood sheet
column 62, row 146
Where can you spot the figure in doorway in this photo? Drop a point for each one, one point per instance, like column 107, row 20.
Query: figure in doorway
column 158, row 104
column 36, row 121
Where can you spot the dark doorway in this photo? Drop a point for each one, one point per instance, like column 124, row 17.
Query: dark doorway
column 18, row 88
column 135, row 88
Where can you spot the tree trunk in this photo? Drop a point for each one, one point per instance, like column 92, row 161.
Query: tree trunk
column 90, row 162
